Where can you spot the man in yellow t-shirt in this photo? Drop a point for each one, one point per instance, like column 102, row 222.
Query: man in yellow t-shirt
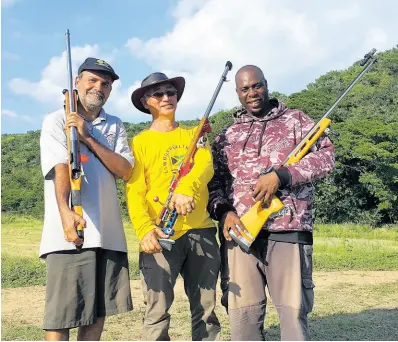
column 158, row 153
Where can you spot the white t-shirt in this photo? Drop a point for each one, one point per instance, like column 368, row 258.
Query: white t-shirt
column 98, row 190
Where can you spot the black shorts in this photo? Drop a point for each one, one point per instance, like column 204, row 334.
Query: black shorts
column 82, row 286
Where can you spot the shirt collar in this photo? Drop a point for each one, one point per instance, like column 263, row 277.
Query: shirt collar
column 101, row 117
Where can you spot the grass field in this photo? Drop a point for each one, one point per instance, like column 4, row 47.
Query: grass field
column 356, row 276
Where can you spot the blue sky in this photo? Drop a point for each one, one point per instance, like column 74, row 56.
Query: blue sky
column 293, row 42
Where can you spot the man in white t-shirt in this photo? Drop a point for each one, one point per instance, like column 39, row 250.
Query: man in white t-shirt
column 85, row 285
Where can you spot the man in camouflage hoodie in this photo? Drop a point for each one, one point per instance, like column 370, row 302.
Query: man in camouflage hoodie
column 263, row 133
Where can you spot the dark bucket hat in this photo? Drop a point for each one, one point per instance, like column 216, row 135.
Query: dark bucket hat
column 96, row 64
column 157, row 78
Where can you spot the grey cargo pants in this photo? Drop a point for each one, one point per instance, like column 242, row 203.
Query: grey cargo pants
column 196, row 256
column 286, row 268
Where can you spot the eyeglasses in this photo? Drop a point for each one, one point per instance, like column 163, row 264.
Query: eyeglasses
column 160, row 94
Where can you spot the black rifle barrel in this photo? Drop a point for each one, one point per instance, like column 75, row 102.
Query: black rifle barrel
column 367, row 57
column 74, row 142
column 228, row 67
column 355, row 81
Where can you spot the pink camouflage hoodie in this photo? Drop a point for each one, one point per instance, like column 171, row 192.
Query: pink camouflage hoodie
column 250, row 146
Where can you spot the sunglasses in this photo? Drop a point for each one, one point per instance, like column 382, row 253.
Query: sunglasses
column 160, row 94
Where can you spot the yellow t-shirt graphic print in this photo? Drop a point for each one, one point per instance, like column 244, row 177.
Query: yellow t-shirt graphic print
column 176, row 162
column 158, row 155
column 173, row 158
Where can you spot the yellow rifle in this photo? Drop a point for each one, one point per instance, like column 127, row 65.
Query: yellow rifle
column 255, row 219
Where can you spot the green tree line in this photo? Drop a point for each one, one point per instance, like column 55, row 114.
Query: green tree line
column 363, row 188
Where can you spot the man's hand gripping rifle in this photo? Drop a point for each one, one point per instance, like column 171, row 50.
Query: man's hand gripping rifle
column 74, row 157
column 258, row 215
column 168, row 217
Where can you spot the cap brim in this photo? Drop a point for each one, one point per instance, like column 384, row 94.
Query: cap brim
column 105, row 71
column 178, row 82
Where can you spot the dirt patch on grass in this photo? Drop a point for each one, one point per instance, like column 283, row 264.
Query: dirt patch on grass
column 25, row 306
column 327, row 279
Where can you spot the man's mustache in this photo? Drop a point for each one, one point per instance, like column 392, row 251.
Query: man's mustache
column 98, row 93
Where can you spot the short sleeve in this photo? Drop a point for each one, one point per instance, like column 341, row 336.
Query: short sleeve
column 53, row 144
column 122, row 147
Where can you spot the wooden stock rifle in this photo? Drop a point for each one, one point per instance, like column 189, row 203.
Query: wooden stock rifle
column 167, row 217
column 74, row 157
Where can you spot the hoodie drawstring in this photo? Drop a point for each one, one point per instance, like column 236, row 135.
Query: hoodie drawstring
column 248, row 136
column 260, row 142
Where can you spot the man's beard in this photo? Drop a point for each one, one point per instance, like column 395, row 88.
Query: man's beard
column 93, row 103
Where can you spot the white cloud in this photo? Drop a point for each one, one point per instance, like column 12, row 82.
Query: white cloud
column 134, row 44
column 12, row 115
column 54, row 77
column 293, row 42
column 9, row 113
column 185, row 8
column 340, row 15
column 119, row 103
column 376, row 37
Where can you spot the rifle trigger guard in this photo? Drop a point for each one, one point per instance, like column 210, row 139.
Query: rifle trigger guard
column 201, row 142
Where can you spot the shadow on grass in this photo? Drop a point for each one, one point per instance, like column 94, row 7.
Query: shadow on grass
column 374, row 325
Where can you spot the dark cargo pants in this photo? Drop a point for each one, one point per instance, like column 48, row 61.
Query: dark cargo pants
column 196, row 256
column 286, row 268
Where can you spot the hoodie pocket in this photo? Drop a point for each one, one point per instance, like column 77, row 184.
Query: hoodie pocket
column 300, row 213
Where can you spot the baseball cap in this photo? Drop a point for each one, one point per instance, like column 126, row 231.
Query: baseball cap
column 96, row 64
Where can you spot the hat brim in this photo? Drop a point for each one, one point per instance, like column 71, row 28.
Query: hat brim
column 178, row 82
